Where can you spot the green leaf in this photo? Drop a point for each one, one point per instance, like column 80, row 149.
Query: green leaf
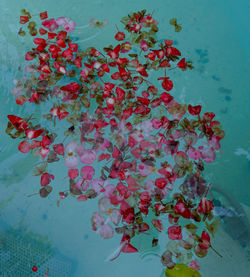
column 40, row 170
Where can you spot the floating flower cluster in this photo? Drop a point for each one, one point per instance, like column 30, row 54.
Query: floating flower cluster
column 127, row 141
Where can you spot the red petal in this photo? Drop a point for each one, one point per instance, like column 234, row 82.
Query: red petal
column 72, row 87
column 182, row 63
column 51, row 35
column 194, row 110
column 31, row 134
column 120, row 94
column 45, row 179
column 43, row 15
column 59, row 148
column 129, row 249
column 24, row 146
column 42, row 31
column 164, row 63
column 24, row 19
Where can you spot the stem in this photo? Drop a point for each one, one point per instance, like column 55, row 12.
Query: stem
column 216, row 251
column 208, row 189
column 32, row 194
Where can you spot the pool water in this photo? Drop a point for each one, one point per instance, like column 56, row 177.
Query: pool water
column 215, row 36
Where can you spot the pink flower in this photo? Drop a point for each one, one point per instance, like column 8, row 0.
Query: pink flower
column 144, row 170
column 97, row 24
column 208, row 155
column 106, row 207
column 66, row 23
column 143, row 130
column 88, row 157
column 174, row 233
column 194, row 153
column 87, row 172
column 71, row 160
column 99, row 225
column 195, row 264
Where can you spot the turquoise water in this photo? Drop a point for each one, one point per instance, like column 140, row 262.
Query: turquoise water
column 215, row 37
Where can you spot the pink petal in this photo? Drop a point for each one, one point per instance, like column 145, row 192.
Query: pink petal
column 115, row 216
column 88, row 157
column 208, row 155
column 109, row 189
column 194, row 153
column 87, row 172
column 73, row 173
column 104, row 204
column 71, row 146
column 71, row 161
column 107, row 231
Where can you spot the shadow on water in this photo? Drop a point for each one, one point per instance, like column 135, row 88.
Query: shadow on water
column 234, row 218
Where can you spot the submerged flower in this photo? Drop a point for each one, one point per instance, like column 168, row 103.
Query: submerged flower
column 97, row 24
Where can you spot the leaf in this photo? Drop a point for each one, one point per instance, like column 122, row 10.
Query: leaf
column 44, row 192
column 90, row 193
column 25, row 13
column 213, row 227
column 21, row 32
column 73, row 190
column 47, row 116
column 40, row 170
column 110, row 148
column 52, row 157
column 192, row 228
column 178, row 28
column 125, row 20
column 173, row 21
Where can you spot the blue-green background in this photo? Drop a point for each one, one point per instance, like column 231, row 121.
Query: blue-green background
column 215, row 37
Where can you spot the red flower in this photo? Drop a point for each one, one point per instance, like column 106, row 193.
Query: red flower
column 205, row 206
column 58, row 148
column 34, row 268
column 166, row 84
column 72, row 87
column 166, row 97
column 23, row 19
column 114, row 54
column 151, row 56
column 164, row 63
column 194, row 110
column 43, row 15
column 161, row 183
column 173, row 51
column 205, row 244
column 18, row 122
column 42, row 31
column 182, row 210
column 128, row 215
column 31, row 134
column 182, row 64
column 46, row 178
column 120, row 94
column 141, row 69
column 120, row 36
column 174, row 233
